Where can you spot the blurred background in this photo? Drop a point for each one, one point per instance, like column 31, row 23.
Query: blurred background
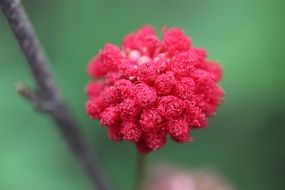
column 244, row 142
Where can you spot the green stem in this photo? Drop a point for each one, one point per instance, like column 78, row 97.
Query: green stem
column 141, row 172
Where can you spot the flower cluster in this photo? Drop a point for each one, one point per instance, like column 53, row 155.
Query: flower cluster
column 150, row 88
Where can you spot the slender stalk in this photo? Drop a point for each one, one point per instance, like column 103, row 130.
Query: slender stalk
column 47, row 97
column 141, row 171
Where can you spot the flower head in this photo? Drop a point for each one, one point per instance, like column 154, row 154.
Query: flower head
column 151, row 88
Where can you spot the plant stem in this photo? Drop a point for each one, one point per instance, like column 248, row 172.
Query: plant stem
column 47, row 97
column 141, row 171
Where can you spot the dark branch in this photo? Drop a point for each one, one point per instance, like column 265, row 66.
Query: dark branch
column 31, row 47
column 48, row 97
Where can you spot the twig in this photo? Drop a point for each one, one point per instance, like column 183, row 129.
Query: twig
column 27, row 93
column 48, row 97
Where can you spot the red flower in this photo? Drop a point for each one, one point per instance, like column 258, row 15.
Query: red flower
column 150, row 120
column 165, row 82
column 155, row 140
column 123, row 89
column 185, row 88
column 144, row 40
column 93, row 89
column 170, row 106
column 129, row 109
column 147, row 72
column 131, row 131
column 145, row 95
column 149, row 88
column 110, row 116
column 94, row 107
column 179, row 130
column 174, row 41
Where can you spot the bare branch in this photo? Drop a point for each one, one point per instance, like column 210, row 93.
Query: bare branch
column 48, row 97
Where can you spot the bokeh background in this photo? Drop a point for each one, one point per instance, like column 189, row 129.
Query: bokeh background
column 244, row 142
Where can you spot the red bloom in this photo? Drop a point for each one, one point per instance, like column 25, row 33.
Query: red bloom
column 147, row 72
column 185, row 88
column 110, row 56
column 93, row 89
column 145, row 95
column 155, row 140
column 129, row 109
column 114, row 133
column 150, row 120
column 123, row 89
column 144, row 40
column 110, row 116
column 131, row 131
column 165, row 82
column 179, row 130
column 174, row 41
column 183, row 64
column 150, row 88
column 94, row 107
column 170, row 106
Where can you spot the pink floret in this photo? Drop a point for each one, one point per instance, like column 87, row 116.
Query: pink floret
column 175, row 41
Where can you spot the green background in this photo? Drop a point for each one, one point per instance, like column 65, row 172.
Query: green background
column 244, row 142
